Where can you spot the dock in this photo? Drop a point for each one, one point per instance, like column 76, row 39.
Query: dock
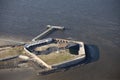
column 50, row 28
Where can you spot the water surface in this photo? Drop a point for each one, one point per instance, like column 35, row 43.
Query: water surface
column 94, row 22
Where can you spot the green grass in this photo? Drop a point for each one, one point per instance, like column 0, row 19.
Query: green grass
column 11, row 51
column 54, row 58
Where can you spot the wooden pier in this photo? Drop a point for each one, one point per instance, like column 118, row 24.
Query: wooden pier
column 50, row 28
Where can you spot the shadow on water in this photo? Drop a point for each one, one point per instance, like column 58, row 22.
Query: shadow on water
column 92, row 55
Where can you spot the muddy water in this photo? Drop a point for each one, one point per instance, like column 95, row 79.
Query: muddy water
column 93, row 22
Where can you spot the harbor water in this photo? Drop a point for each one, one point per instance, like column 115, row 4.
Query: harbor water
column 95, row 22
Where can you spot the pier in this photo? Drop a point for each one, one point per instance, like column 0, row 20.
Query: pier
column 50, row 28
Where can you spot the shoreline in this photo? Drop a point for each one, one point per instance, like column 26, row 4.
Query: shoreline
column 16, row 69
column 8, row 43
column 17, row 74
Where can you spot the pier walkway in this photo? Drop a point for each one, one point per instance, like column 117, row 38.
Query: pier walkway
column 50, row 28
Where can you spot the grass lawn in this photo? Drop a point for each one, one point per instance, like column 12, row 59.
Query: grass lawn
column 57, row 57
column 11, row 51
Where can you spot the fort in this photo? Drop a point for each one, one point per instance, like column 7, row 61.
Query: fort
column 53, row 53
column 56, row 53
column 49, row 53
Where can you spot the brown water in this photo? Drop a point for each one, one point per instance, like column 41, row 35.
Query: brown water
column 94, row 22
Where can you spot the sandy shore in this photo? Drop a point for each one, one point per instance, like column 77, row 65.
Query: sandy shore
column 6, row 42
column 17, row 74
